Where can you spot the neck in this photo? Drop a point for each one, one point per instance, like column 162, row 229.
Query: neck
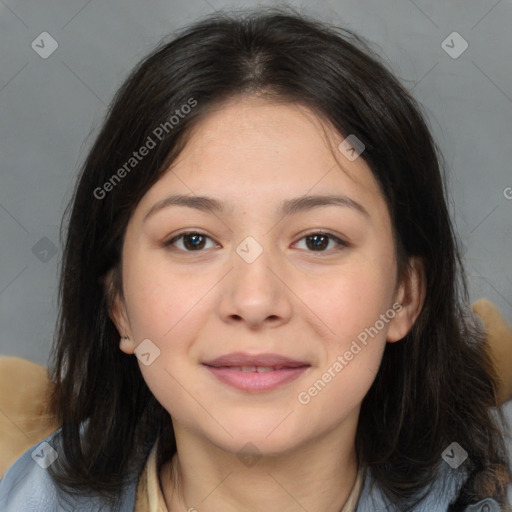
column 317, row 477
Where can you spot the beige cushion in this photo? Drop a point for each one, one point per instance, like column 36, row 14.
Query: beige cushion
column 499, row 339
column 24, row 390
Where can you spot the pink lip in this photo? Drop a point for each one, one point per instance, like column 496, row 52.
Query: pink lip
column 241, row 359
column 254, row 381
column 227, row 370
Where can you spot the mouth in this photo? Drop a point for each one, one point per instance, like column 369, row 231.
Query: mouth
column 259, row 373
column 243, row 360
column 257, row 369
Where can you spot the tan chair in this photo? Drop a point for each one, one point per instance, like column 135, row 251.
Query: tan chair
column 25, row 387
column 24, row 420
column 499, row 339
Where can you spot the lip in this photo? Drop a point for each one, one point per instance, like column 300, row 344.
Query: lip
column 228, row 369
column 238, row 359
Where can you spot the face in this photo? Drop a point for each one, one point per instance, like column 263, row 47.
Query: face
column 316, row 285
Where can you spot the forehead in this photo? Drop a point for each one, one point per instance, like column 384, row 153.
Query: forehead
column 250, row 149
column 277, row 132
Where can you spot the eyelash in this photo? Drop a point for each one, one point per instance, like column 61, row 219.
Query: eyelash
column 341, row 244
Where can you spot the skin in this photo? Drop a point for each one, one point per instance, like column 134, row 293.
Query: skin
column 305, row 303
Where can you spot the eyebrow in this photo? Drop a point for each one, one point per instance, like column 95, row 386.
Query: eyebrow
column 287, row 207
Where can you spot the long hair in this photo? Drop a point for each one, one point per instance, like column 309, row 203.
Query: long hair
column 435, row 386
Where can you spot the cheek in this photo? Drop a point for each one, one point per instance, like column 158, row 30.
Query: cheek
column 352, row 349
column 157, row 297
column 353, row 298
column 165, row 308
column 350, row 303
column 343, row 384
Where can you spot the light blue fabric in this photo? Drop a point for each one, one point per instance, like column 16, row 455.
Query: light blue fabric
column 438, row 499
column 27, row 487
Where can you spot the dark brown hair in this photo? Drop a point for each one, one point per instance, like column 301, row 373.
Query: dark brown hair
column 435, row 386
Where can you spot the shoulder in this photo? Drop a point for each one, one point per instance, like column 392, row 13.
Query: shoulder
column 28, row 486
column 444, row 490
column 442, row 494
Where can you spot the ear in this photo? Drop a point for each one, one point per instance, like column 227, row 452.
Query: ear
column 410, row 294
column 117, row 310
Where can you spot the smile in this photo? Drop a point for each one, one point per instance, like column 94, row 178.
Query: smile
column 256, row 378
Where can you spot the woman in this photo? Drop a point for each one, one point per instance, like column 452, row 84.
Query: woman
column 262, row 300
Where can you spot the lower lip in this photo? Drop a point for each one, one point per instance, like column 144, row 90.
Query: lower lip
column 254, row 381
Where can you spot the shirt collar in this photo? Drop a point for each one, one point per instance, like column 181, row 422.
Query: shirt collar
column 149, row 497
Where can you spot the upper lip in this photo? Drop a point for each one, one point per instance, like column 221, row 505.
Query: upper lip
column 239, row 359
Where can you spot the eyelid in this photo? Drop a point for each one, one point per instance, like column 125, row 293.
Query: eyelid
column 341, row 243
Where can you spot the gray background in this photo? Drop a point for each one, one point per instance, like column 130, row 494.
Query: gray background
column 51, row 109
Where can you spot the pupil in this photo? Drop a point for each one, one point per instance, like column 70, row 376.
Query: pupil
column 195, row 237
column 316, row 238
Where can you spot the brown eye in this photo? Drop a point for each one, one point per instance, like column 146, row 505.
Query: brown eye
column 191, row 241
column 318, row 242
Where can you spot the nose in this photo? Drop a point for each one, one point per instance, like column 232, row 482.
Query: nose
column 256, row 292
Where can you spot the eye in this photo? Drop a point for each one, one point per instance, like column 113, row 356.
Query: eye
column 192, row 241
column 318, row 241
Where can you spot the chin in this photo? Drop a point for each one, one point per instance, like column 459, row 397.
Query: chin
column 250, row 440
